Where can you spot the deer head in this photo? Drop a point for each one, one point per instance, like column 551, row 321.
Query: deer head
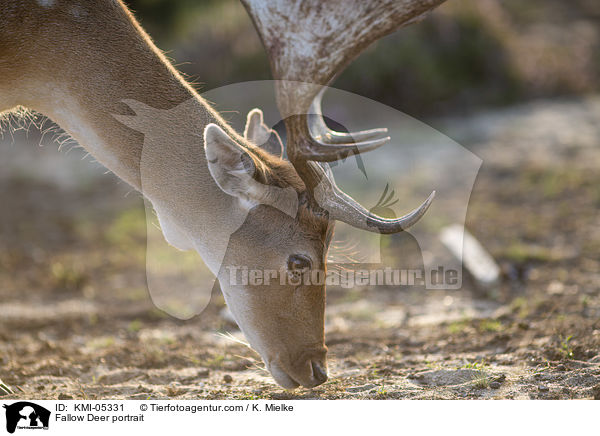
column 308, row 43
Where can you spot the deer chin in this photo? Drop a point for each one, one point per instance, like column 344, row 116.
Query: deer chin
column 307, row 367
column 282, row 378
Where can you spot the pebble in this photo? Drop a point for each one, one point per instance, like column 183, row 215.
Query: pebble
column 500, row 378
column 64, row 397
column 543, row 388
column 495, row 385
column 227, row 378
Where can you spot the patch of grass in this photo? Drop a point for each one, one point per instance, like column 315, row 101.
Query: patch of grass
column 520, row 306
column 490, row 325
column 544, row 367
column 215, row 361
column 551, row 182
column 521, row 253
column 128, row 229
column 67, row 276
column 566, row 348
column 476, row 365
column 92, row 319
column 84, row 395
column 432, row 365
column 382, row 390
column 584, row 300
column 134, row 326
column 374, row 371
column 458, row 326
column 134, row 294
column 482, row 381
column 101, row 342
column 193, row 360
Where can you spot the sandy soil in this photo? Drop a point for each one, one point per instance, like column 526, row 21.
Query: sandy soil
column 76, row 320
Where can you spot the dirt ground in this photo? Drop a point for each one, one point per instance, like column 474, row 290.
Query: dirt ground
column 76, row 320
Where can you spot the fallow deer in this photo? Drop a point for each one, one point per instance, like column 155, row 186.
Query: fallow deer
column 84, row 64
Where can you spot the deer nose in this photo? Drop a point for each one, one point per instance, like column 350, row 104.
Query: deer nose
column 319, row 374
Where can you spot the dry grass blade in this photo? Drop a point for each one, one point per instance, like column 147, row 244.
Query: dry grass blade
column 5, row 389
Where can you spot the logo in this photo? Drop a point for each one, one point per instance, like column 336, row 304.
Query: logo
column 26, row 416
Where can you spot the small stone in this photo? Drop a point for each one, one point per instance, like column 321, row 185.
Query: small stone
column 500, row 378
column 227, row 378
column 495, row 385
column 64, row 397
column 543, row 388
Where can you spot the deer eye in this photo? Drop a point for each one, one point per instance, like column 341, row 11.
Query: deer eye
column 298, row 262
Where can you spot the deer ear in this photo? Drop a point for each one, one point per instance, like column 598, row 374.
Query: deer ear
column 229, row 164
column 260, row 134
column 233, row 169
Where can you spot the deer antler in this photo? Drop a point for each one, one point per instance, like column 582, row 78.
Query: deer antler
column 308, row 43
column 324, row 134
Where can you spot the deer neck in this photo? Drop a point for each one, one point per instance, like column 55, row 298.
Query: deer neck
column 82, row 63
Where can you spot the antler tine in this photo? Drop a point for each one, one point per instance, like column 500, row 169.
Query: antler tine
column 344, row 208
column 321, row 132
column 313, row 148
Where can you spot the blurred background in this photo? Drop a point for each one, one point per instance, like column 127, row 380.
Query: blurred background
column 465, row 56
column 514, row 82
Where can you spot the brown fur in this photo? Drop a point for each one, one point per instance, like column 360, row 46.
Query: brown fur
column 77, row 62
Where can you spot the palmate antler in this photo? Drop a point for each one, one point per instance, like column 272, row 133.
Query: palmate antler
column 308, row 43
